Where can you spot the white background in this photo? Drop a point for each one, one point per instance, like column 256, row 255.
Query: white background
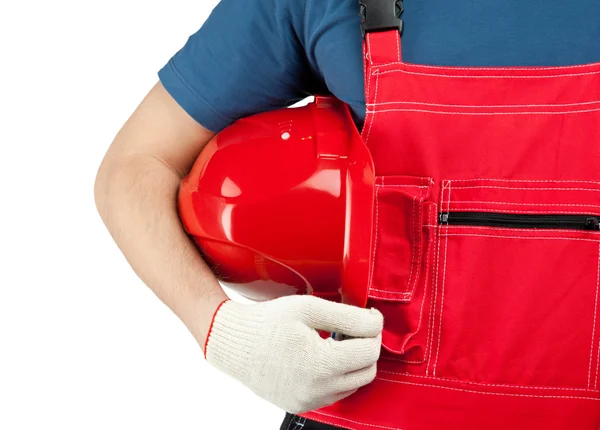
column 84, row 344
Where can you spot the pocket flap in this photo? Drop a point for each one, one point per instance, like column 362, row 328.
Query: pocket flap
column 397, row 236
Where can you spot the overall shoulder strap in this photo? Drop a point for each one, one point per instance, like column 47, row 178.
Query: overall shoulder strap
column 381, row 27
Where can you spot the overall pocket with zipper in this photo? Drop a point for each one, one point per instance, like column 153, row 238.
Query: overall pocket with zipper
column 517, row 284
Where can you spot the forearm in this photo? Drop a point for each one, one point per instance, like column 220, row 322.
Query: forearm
column 137, row 200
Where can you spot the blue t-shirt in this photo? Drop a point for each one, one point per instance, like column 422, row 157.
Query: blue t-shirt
column 256, row 55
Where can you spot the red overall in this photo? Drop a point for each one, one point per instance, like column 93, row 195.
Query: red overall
column 490, row 304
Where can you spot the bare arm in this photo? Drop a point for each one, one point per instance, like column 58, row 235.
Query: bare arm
column 136, row 195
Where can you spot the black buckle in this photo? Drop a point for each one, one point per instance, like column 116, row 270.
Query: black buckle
column 381, row 15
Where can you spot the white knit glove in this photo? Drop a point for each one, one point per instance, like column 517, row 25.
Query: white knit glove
column 274, row 349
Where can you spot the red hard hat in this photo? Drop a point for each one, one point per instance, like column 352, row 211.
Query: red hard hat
column 281, row 203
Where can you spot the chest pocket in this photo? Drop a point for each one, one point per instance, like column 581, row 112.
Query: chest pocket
column 517, row 285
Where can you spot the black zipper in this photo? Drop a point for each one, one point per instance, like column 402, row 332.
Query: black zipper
column 571, row 222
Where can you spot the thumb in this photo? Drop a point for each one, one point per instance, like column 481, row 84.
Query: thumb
column 352, row 321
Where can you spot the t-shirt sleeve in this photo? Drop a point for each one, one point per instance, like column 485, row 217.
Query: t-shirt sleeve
column 247, row 57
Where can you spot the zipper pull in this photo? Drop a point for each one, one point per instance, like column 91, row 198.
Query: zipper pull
column 443, row 218
column 592, row 223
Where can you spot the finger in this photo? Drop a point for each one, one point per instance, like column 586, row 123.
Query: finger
column 353, row 321
column 353, row 354
column 354, row 380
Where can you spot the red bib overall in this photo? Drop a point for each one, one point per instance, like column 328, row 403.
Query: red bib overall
column 486, row 249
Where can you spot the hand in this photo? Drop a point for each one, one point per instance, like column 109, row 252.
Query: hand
column 274, row 349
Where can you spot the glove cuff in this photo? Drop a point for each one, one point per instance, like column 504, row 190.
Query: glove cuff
column 232, row 341
column 212, row 322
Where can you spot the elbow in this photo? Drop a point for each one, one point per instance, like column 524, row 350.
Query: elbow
column 110, row 177
column 101, row 188
column 121, row 180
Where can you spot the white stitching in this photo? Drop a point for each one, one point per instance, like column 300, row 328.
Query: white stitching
column 597, row 362
column 418, row 239
column 437, row 275
column 595, row 315
column 443, row 285
column 398, row 46
column 525, row 188
column 404, row 297
column 483, row 384
column 404, row 293
column 369, row 49
column 375, row 244
column 488, row 392
column 425, row 288
column 523, row 237
column 356, row 422
column 483, row 113
column 408, row 338
column 291, row 421
column 520, row 230
column 494, row 69
column 367, row 69
column 597, row 367
column 425, row 283
column 368, row 75
column 434, row 238
column 414, row 240
column 331, row 423
column 483, row 106
column 525, row 180
column 526, row 204
column 480, row 209
column 367, row 123
column 401, row 185
column 565, row 75
column 372, row 120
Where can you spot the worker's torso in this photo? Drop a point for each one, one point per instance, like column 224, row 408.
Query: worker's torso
column 486, row 246
column 459, row 33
